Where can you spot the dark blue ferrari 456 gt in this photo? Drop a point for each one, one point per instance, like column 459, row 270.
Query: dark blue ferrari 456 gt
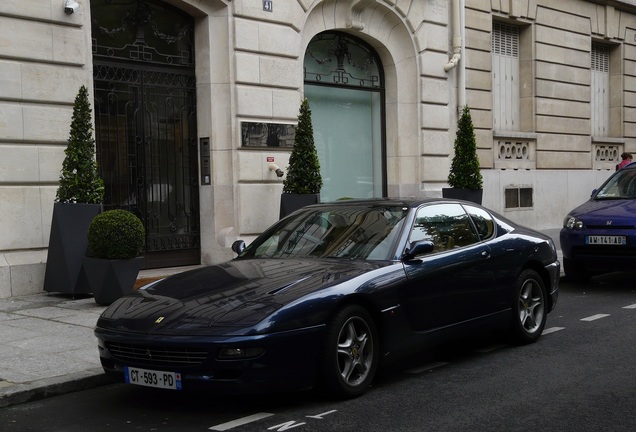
column 328, row 294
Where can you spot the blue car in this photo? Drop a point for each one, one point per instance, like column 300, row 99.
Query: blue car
column 599, row 236
column 329, row 293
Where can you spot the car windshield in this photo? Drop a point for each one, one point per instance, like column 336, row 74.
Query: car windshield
column 351, row 232
column 621, row 185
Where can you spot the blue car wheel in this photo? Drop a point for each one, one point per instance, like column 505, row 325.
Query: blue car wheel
column 576, row 271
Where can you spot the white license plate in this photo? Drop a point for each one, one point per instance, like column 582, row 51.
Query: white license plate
column 151, row 378
column 606, row 240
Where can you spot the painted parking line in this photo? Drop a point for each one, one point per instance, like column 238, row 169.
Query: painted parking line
column 426, row 367
column 240, row 422
column 552, row 330
column 595, row 317
column 631, row 306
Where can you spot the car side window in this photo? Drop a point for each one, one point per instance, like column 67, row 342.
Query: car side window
column 483, row 221
column 446, row 225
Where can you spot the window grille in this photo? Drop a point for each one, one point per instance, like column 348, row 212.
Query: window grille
column 518, row 197
column 600, row 57
column 505, row 39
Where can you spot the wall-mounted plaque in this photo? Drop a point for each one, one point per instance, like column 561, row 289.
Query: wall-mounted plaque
column 267, row 134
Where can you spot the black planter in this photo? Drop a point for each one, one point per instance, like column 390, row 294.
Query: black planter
column 463, row 194
column 68, row 244
column 111, row 279
column 290, row 202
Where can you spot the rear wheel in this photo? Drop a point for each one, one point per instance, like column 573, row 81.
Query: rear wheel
column 529, row 306
column 350, row 357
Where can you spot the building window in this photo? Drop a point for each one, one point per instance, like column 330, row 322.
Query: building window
column 344, row 84
column 600, row 94
column 518, row 197
column 505, row 76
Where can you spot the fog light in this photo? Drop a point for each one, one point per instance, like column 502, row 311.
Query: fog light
column 239, row 353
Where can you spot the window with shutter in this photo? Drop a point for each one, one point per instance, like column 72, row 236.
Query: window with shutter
column 505, row 76
column 599, row 87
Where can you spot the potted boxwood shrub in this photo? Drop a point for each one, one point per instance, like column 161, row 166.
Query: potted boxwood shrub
column 115, row 240
column 78, row 200
column 465, row 179
column 302, row 183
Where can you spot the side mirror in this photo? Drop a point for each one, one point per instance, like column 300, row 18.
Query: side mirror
column 418, row 248
column 238, row 247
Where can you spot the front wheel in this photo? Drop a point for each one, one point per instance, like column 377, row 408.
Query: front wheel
column 575, row 271
column 529, row 307
column 350, row 357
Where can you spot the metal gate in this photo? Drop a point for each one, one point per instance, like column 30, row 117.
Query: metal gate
column 145, row 123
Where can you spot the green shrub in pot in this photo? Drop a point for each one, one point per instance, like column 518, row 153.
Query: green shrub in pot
column 116, row 235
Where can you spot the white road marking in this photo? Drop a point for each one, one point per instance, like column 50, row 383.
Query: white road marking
column 631, row 306
column 426, row 367
column 595, row 317
column 552, row 330
column 240, row 422
column 320, row 416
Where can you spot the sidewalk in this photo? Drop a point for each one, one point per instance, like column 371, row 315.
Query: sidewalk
column 47, row 346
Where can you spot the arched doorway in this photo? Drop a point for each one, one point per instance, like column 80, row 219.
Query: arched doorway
column 344, row 84
column 145, row 122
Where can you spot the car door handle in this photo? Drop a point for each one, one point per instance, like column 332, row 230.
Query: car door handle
column 485, row 254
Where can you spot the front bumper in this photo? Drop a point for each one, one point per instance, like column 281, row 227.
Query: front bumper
column 598, row 257
column 554, row 270
column 289, row 361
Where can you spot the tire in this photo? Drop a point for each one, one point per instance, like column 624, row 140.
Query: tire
column 529, row 308
column 350, row 358
column 575, row 271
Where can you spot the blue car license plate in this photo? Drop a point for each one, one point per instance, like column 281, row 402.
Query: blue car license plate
column 606, row 240
column 152, row 378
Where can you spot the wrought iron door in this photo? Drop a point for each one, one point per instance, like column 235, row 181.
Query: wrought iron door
column 145, row 122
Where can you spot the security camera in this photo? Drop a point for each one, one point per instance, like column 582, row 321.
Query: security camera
column 70, row 6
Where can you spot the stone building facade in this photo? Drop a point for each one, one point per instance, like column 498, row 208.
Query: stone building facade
column 193, row 111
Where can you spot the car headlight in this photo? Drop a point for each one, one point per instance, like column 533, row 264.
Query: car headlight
column 570, row 222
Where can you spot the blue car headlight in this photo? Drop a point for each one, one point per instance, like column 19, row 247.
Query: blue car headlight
column 571, row 222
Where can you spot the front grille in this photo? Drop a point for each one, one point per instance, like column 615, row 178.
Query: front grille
column 603, row 251
column 609, row 228
column 156, row 356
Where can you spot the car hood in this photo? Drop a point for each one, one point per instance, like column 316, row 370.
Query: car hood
column 229, row 298
column 619, row 212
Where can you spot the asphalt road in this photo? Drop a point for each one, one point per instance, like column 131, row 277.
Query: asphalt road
column 578, row 377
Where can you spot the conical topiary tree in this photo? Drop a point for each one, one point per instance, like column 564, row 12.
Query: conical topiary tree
column 79, row 180
column 303, row 174
column 78, row 200
column 464, row 172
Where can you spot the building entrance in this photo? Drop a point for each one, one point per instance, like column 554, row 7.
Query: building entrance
column 145, row 122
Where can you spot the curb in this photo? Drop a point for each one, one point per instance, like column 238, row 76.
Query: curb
column 14, row 394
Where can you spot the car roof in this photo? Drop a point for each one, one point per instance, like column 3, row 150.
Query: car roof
column 372, row 202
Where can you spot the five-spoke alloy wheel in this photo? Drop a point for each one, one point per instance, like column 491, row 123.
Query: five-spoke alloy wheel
column 530, row 309
column 351, row 354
